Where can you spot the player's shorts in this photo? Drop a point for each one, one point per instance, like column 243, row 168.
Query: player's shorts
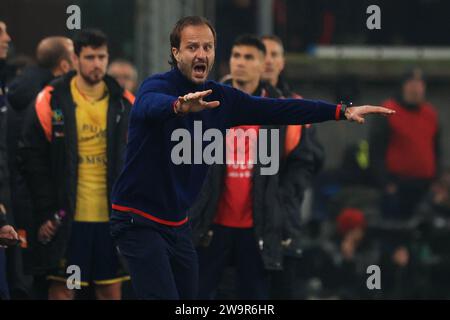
column 92, row 249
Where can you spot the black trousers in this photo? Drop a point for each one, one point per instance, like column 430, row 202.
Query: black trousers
column 239, row 247
column 162, row 261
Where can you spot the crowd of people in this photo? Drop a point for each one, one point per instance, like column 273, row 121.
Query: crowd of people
column 63, row 134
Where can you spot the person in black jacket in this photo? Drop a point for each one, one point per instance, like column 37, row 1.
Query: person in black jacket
column 73, row 143
column 6, row 230
column 54, row 56
column 241, row 215
column 282, row 286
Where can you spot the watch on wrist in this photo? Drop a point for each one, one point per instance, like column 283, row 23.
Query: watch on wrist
column 344, row 106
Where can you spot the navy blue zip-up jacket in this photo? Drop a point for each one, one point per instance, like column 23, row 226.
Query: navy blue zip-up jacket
column 150, row 184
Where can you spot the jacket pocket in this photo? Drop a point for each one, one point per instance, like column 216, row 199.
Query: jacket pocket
column 119, row 223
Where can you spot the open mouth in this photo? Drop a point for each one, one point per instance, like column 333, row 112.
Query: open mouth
column 199, row 69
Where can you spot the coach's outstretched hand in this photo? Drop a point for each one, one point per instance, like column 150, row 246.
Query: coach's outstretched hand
column 193, row 102
column 357, row 113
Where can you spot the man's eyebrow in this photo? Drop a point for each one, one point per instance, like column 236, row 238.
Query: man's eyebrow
column 197, row 42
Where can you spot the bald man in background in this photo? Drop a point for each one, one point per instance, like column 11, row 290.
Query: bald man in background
column 54, row 58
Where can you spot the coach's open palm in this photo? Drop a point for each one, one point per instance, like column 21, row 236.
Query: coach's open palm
column 357, row 113
column 193, row 102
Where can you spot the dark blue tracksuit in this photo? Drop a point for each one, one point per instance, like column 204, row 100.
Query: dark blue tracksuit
column 152, row 195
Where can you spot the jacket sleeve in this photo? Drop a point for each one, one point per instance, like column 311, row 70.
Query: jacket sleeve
column 35, row 160
column 246, row 109
column 153, row 101
column 378, row 144
column 302, row 164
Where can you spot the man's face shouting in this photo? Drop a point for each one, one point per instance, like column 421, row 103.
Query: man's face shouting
column 195, row 57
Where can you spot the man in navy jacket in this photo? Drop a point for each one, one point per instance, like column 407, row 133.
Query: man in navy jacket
column 152, row 195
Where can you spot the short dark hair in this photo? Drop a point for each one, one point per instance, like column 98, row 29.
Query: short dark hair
column 250, row 40
column 89, row 38
column 175, row 35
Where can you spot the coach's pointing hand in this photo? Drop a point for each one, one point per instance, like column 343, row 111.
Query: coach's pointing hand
column 193, row 102
column 357, row 113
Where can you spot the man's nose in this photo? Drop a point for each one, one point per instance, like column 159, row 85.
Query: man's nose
column 241, row 63
column 201, row 53
column 98, row 62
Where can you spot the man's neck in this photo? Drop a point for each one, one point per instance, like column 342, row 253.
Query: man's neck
column 90, row 91
column 274, row 82
column 57, row 72
column 247, row 87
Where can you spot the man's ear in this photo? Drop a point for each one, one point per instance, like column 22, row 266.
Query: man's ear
column 65, row 66
column 176, row 53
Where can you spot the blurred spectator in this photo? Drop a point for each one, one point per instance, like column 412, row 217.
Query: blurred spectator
column 405, row 149
column 434, row 253
column 71, row 159
column 274, row 65
column 6, row 231
column 356, row 253
column 54, row 57
column 405, row 158
column 229, row 216
column 125, row 73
